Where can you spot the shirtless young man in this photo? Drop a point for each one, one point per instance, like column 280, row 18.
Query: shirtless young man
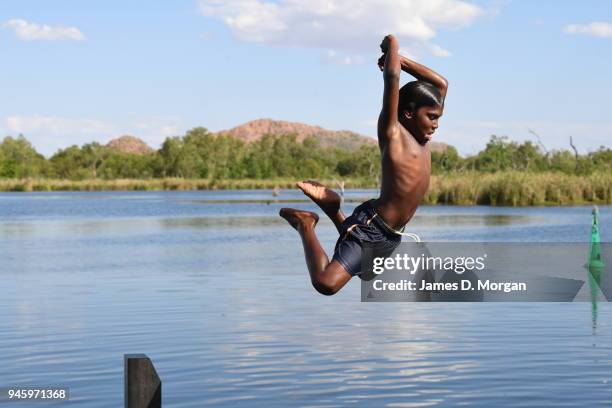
column 407, row 121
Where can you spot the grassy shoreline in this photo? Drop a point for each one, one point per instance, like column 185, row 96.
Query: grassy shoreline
column 470, row 188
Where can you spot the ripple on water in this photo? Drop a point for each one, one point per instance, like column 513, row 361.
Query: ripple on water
column 219, row 297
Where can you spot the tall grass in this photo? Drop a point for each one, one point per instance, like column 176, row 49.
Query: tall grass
column 29, row 185
column 519, row 189
column 471, row 188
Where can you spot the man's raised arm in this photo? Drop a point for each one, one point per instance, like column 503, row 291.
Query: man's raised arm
column 387, row 121
column 422, row 73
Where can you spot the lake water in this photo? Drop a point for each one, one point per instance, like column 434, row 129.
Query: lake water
column 213, row 287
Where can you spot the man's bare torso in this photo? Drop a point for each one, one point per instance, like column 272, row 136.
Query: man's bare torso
column 406, row 167
column 406, row 163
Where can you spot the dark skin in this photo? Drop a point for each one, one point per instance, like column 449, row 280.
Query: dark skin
column 406, row 167
column 403, row 137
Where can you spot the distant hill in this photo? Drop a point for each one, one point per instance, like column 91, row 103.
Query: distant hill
column 256, row 129
column 129, row 144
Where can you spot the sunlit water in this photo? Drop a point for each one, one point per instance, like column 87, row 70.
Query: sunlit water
column 213, row 287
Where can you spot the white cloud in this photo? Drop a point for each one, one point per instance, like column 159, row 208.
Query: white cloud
column 50, row 133
column 54, row 125
column 155, row 129
column 596, row 29
column 344, row 26
column 334, row 57
column 439, row 51
column 28, row 31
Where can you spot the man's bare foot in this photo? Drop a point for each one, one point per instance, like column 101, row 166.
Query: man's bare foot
column 326, row 199
column 299, row 218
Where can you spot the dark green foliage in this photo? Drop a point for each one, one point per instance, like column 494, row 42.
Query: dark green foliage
column 201, row 155
column 445, row 161
column 18, row 159
column 501, row 154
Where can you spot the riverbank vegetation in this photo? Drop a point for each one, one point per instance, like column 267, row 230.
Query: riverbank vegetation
column 508, row 188
column 503, row 173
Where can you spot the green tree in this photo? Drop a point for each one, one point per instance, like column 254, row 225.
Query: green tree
column 445, row 161
column 180, row 159
column 19, row 159
column 497, row 155
column 70, row 163
column 94, row 155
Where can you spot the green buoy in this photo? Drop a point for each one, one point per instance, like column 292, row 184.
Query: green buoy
column 595, row 266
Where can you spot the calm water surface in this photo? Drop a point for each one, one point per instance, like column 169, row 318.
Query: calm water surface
column 213, row 287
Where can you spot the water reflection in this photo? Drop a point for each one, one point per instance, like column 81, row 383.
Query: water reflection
column 448, row 220
column 238, row 220
column 594, row 273
column 218, row 295
column 228, row 222
column 134, row 226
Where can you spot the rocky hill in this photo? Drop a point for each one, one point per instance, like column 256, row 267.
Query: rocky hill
column 129, row 144
column 254, row 130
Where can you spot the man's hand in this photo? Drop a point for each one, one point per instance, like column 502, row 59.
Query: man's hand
column 386, row 43
column 381, row 62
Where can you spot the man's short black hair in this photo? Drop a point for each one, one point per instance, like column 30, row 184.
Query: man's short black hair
column 415, row 94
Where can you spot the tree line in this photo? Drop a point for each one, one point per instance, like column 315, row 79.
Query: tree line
column 201, row 155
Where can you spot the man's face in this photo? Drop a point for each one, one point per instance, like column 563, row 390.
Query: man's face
column 423, row 123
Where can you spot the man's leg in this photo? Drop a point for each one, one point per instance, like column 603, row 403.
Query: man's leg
column 326, row 199
column 327, row 278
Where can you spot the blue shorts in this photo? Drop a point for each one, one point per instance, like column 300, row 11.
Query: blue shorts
column 364, row 226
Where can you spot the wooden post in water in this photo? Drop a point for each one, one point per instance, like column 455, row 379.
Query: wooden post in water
column 142, row 386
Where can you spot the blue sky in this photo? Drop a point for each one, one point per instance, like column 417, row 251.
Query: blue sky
column 75, row 71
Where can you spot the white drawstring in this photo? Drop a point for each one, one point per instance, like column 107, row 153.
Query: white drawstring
column 410, row 235
column 415, row 237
